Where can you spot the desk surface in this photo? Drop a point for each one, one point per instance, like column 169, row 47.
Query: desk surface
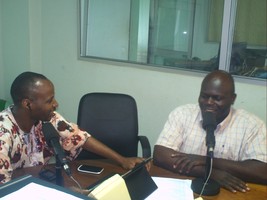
column 258, row 192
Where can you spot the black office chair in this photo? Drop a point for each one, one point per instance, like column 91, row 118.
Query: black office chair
column 3, row 104
column 112, row 119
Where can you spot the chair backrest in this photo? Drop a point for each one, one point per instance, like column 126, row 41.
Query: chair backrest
column 3, row 104
column 112, row 119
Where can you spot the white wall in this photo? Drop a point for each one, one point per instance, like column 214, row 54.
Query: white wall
column 2, row 93
column 15, row 40
column 52, row 43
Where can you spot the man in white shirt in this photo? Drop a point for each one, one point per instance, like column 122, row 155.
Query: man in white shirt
column 240, row 152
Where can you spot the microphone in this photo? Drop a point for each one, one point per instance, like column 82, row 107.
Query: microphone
column 52, row 139
column 209, row 124
column 206, row 186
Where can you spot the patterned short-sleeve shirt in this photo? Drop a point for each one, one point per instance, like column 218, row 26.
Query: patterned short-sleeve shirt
column 19, row 149
column 241, row 136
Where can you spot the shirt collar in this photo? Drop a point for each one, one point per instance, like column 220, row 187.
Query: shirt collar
column 226, row 121
column 223, row 124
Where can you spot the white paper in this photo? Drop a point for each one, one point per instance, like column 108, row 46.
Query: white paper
column 34, row 191
column 170, row 188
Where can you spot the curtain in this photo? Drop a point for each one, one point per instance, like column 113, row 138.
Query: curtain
column 250, row 23
column 215, row 20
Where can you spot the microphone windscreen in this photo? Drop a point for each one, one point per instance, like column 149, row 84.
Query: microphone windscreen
column 49, row 132
column 209, row 120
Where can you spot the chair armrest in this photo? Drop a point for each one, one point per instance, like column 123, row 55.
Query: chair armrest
column 146, row 149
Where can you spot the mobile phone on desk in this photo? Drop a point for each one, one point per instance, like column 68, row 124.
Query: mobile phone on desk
column 90, row 169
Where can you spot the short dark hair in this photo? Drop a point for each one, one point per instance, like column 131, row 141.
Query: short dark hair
column 22, row 85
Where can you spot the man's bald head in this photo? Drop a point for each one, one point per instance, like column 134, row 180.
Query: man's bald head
column 217, row 94
column 220, row 78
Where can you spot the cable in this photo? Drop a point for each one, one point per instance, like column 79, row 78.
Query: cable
column 76, row 182
column 203, row 188
column 85, row 192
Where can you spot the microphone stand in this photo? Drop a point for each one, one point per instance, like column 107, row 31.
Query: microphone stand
column 206, row 186
column 59, row 177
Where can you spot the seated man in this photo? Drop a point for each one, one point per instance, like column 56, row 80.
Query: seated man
column 240, row 150
column 22, row 142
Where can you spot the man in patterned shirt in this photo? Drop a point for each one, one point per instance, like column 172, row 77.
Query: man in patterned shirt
column 22, row 142
column 240, row 151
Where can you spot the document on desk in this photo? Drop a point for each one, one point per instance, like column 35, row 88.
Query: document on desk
column 170, row 188
column 34, row 191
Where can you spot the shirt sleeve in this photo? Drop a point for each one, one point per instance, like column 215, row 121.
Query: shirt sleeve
column 5, row 165
column 255, row 146
column 171, row 135
column 72, row 137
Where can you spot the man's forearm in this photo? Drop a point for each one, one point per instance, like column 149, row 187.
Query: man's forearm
column 163, row 158
column 248, row 170
column 99, row 148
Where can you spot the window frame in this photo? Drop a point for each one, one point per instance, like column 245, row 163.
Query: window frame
column 228, row 26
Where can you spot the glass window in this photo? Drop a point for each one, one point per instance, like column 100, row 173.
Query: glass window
column 179, row 34
column 249, row 52
column 198, row 35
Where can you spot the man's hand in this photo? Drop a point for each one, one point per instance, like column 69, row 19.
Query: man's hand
column 99, row 148
column 129, row 163
column 229, row 182
column 185, row 162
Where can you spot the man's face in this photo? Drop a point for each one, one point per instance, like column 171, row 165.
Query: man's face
column 216, row 97
column 43, row 102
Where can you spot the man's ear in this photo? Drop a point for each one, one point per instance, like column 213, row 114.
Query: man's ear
column 233, row 98
column 26, row 103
